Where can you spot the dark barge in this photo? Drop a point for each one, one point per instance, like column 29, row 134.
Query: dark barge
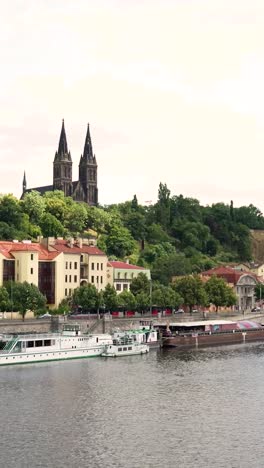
column 209, row 333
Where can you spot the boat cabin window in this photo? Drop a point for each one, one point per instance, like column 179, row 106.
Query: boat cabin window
column 130, row 348
column 119, row 349
column 124, row 349
column 30, row 344
column 47, row 342
column 38, row 343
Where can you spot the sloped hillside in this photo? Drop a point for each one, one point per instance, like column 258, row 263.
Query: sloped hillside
column 257, row 243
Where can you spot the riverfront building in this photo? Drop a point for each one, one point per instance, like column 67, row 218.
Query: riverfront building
column 242, row 282
column 121, row 274
column 55, row 266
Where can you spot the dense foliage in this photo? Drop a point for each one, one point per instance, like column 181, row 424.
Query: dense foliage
column 175, row 236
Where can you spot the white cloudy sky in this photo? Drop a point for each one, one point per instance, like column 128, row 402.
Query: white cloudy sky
column 173, row 91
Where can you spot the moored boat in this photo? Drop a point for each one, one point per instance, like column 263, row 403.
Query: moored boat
column 69, row 344
column 211, row 333
column 125, row 346
column 144, row 334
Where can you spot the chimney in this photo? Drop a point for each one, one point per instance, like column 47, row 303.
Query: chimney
column 70, row 242
column 80, row 242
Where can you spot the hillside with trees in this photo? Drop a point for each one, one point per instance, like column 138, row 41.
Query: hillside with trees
column 173, row 237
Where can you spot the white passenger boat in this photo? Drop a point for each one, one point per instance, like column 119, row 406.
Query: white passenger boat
column 142, row 334
column 125, row 346
column 69, row 344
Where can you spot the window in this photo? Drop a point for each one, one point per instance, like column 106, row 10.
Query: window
column 70, row 265
column 69, row 278
column 97, row 279
column 125, row 275
column 119, row 349
column 70, row 292
column 132, row 275
column 130, row 348
column 101, row 280
column 125, row 286
column 30, row 344
column 118, row 287
column 31, row 271
column 97, row 266
column 66, row 278
column 75, row 278
column 32, row 256
column 81, row 258
column 66, row 265
column 92, row 279
column 38, row 343
column 75, row 265
column 102, row 266
column 92, row 266
column 66, row 292
column 47, row 342
column 118, row 275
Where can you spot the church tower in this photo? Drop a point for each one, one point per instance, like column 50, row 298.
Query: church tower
column 62, row 166
column 88, row 171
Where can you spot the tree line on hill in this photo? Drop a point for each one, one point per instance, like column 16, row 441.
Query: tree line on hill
column 174, row 237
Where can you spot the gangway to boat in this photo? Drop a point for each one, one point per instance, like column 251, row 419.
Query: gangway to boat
column 10, row 344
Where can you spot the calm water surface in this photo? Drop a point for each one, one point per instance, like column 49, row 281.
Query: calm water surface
column 196, row 409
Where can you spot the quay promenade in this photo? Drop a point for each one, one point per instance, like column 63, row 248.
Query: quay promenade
column 107, row 323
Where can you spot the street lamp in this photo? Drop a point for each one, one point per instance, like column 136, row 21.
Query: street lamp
column 150, row 296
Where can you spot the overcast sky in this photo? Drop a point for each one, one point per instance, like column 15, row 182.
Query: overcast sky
column 172, row 89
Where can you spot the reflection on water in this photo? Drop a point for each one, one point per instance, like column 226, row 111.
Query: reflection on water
column 198, row 408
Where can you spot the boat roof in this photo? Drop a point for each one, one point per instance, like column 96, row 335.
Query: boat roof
column 196, row 324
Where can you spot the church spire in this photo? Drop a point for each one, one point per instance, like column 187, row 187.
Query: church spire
column 24, row 182
column 63, row 147
column 88, row 149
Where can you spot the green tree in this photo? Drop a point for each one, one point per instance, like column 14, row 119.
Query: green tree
column 126, row 300
column 10, row 211
column 192, row 290
column 33, row 204
column 86, row 296
column 110, row 298
column 51, row 226
column 4, row 299
column 163, row 206
column 119, row 242
column 75, row 217
column 165, row 296
column 140, row 284
column 143, row 301
column 25, row 296
column 259, row 292
column 219, row 293
column 165, row 268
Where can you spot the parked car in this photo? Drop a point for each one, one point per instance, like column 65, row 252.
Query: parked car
column 255, row 309
column 179, row 311
column 44, row 316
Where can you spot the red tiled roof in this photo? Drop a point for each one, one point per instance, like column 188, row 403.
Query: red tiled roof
column 63, row 246
column 124, row 265
column 229, row 274
column 6, row 249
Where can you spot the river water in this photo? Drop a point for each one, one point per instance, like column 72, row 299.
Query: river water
column 198, row 409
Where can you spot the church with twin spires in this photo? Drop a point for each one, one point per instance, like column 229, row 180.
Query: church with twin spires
column 83, row 190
